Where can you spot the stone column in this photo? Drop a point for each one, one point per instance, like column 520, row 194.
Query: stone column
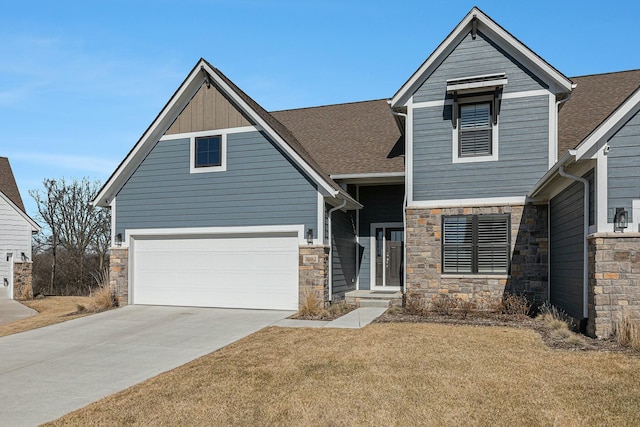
column 22, row 280
column 614, row 281
column 313, row 268
column 119, row 273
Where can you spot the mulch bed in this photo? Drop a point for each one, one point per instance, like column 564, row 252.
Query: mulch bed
column 552, row 341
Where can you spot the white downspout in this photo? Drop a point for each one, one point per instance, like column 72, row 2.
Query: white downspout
column 404, row 214
column 332, row 210
column 585, row 255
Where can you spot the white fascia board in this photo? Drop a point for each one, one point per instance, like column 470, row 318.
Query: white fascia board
column 148, row 140
column 34, row 226
column 322, row 183
column 296, row 229
column 347, row 176
column 568, row 157
column 455, row 203
column 602, row 133
column 501, row 37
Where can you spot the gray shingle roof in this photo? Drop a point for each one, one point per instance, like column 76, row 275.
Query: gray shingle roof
column 359, row 137
column 8, row 183
column 593, row 100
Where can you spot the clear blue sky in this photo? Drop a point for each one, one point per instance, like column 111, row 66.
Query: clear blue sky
column 81, row 80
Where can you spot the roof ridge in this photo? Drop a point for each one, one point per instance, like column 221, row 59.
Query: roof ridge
column 329, row 105
column 607, row 73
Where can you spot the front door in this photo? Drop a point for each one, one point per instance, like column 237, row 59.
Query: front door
column 389, row 240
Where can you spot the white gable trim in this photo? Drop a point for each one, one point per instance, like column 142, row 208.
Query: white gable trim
column 501, row 37
column 171, row 111
column 34, row 227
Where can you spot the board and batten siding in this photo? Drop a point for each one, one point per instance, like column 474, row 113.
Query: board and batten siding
column 623, row 168
column 260, row 187
column 566, row 250
column 343, row 254
column 523, row 153
column 473, row 58
column 15, row 238
column 208, row 109
column 382, row 203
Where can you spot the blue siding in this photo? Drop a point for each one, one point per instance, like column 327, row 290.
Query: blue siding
column 472, row 58
column 381, row 204
column 566, row 250
column 343, row 254
column 623, row 168
column 259, row 187
column 523, row 152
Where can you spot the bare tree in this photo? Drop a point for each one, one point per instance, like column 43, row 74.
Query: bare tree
column 74, row 223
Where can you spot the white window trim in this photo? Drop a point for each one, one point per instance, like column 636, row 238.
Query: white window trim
column 223, row 154
column 494, row 135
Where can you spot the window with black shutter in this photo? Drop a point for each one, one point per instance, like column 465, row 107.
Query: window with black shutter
column 476, row 244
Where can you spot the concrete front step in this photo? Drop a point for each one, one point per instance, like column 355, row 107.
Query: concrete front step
column 366, row 298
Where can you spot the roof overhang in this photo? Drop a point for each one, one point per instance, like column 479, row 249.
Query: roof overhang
column 370, row 178
column 202, row 72
column 478, row 19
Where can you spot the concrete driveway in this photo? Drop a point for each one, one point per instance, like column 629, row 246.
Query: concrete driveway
column 11, row 310
column 48, row 372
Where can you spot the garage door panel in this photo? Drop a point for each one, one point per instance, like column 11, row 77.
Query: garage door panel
column 246, row 272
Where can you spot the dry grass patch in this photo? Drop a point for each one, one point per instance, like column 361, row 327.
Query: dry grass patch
column 50, row 310
column 384, row 374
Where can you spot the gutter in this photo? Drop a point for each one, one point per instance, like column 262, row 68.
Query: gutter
column 329, row 225
column 585, row 247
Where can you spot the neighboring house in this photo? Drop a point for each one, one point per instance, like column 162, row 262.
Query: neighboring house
column 16, row 229
column 468, row 181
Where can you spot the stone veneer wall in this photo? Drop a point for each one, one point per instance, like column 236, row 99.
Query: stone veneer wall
column 529, row 255
column 119, row 273
column 22, row 280
column 313, row 272
column 614, row 281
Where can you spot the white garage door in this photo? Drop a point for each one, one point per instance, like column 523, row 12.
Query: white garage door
column 246, row 271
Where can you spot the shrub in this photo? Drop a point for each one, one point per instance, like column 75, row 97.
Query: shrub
column 627, row 333
column 444, row 304
column 466, row 307
column 415, row 304
column 516, row 305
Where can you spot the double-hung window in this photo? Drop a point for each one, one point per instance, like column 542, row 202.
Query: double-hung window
column 474, row 129
column 476, row 244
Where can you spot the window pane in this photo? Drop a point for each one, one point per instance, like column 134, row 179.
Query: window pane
column 458, row 259
column 208, row 151
column 475, row 129
column 458, row 230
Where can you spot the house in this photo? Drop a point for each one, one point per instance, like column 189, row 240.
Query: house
column 489, row 171
column 16, row 229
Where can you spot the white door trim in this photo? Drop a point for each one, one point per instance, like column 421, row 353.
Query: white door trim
column 372, row 253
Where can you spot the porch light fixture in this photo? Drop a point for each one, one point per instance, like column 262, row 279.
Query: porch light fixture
column 621, row 219
column 119, row 239
column 310, row 235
